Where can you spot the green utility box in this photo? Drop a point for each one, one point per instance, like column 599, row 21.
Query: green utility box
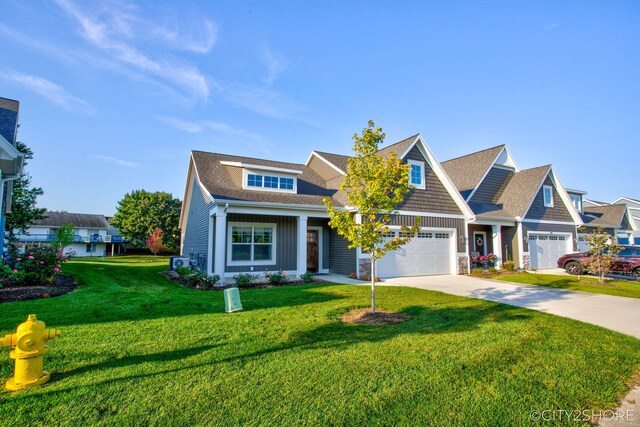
column 232, row 300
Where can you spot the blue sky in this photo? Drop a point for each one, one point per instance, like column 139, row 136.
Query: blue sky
column 114, row 95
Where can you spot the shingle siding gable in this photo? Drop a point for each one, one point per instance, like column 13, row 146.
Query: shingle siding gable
column 539, row 211
column 435, row 198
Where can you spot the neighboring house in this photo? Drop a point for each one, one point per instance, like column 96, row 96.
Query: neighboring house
column 92, row 236
column 525, row 216
column 243, row 214
column 620, row 219
column 11, row 160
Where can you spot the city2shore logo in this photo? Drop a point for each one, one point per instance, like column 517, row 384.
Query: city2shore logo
column 587, row 415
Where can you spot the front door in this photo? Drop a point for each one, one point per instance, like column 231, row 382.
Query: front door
column 312, row 251
column 480, row 242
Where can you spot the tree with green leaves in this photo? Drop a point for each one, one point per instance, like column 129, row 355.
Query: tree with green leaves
column 375, row 186
column 65, row 236
column 603, row 253
column 24, row 197
column 141, row 212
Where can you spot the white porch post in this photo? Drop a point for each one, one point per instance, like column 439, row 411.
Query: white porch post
column 210, row 247
column 520, row 239
column 220, row 250
column 301, row 265
column 497, row 244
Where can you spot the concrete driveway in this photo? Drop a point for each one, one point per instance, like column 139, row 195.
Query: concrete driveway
column 616, row 313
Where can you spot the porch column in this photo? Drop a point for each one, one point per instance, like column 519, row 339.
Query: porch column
column 301, row 265
column 210, row 247
column 220, row 250
column 520, row 239
column 497, row 244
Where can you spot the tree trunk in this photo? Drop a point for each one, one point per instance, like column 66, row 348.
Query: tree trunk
column 373, row 286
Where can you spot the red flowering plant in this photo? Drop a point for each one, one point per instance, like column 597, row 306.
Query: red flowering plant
column 37, row 266
column 492, row 257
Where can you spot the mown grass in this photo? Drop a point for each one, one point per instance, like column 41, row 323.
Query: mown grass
column 137, row 349
column 620, row 288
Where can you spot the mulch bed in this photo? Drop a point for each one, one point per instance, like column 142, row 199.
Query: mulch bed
column 363, row 316
column 173, row 276
column 62, row 284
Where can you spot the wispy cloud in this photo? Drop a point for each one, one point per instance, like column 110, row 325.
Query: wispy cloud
column 47, row 89
column 276, row 64
column 551, row 26
column 202, row 42
column 113, row 29
column 264, row 101
column 115, row 161
column 250, row 139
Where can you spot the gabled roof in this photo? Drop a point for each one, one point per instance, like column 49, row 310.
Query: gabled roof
column 400, row 148
column 225, row 182
column 467, row 171
column 337, row 160
column 78, row 220
column 609, row 216
column 517, row 195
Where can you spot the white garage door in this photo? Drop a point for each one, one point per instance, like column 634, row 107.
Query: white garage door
column 545, row 249
column 428, row 253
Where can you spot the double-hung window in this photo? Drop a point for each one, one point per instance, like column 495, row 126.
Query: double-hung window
column 547, row 193
column 416, row 174
column 252, row 244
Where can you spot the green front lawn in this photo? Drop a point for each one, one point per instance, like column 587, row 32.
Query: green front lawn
column 137, row 349
column 619, row 288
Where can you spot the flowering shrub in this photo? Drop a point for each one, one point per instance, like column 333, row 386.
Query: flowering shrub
column 352, row 276
column 368, row 278
column 202, row 281
column 492, row 257
column 277, row 278
column 38, row 266
column 244, row 279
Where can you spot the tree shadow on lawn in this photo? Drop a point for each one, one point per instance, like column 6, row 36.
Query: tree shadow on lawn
column 424, row 320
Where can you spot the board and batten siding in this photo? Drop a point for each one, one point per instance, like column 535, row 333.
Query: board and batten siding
column 286, row 244
column 538, row 210
column 434, row 222
column 492, row 186
column 196, row 236
column 510, row 244
column 435, row 198
column 554, row 228
column 342, row 260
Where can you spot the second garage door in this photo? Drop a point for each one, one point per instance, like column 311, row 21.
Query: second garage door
column 545, row 249
column 428, row 253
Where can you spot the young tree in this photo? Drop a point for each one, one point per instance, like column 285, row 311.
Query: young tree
column 23, row 202
column 603, row 253
column 65, row 236
column 140, row 212
column 154, row 242
column 375, row 186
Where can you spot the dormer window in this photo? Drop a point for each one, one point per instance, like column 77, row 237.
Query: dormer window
column 266, row 177
column 576, row 200
column 416, row 174
column 269, row 182
column 547, row 193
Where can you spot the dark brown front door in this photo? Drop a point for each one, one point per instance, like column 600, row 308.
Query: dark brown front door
column 312, row 251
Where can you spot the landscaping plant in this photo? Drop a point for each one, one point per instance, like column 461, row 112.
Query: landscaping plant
column 307, row 277
column 37, row 266
column 603, row 253
column 375, row 186
column 277, row 278
column 154, row 242
column 244, row 279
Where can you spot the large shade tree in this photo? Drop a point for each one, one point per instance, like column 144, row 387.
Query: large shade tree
column 374, row 185
column 23, row 200
column 141, row 212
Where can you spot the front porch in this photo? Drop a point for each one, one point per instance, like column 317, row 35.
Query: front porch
column 259, row 241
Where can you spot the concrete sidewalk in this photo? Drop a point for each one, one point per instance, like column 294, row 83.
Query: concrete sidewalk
column 616, row 313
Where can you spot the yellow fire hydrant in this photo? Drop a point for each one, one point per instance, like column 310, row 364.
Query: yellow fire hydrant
column 29, row 343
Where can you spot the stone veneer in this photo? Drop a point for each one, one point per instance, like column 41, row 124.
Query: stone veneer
column 526, row 262
column 463, row 264
column 364, row 267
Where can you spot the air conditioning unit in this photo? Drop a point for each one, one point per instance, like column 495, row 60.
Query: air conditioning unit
column 179, row 261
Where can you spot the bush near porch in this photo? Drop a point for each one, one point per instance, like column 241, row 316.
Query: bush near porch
column 138, row 349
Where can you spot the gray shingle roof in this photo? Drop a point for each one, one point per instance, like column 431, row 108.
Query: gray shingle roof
column 398, row 148
column 78, row 220
column 338, row 160
column 603, row 216
column 467, row 171
column 517, row 195
column 225, row 182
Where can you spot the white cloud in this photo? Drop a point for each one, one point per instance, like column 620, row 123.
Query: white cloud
column 47, row 89
column 201, row 43
column 113, row 28
column 276, row 64
column 191, row 127
column 264, row 101
column 551, row 26
column 115, row 161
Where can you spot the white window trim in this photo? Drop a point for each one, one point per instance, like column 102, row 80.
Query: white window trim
column 544, row 199
column 245, row 179
column 410, row 162
column 230, row 226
